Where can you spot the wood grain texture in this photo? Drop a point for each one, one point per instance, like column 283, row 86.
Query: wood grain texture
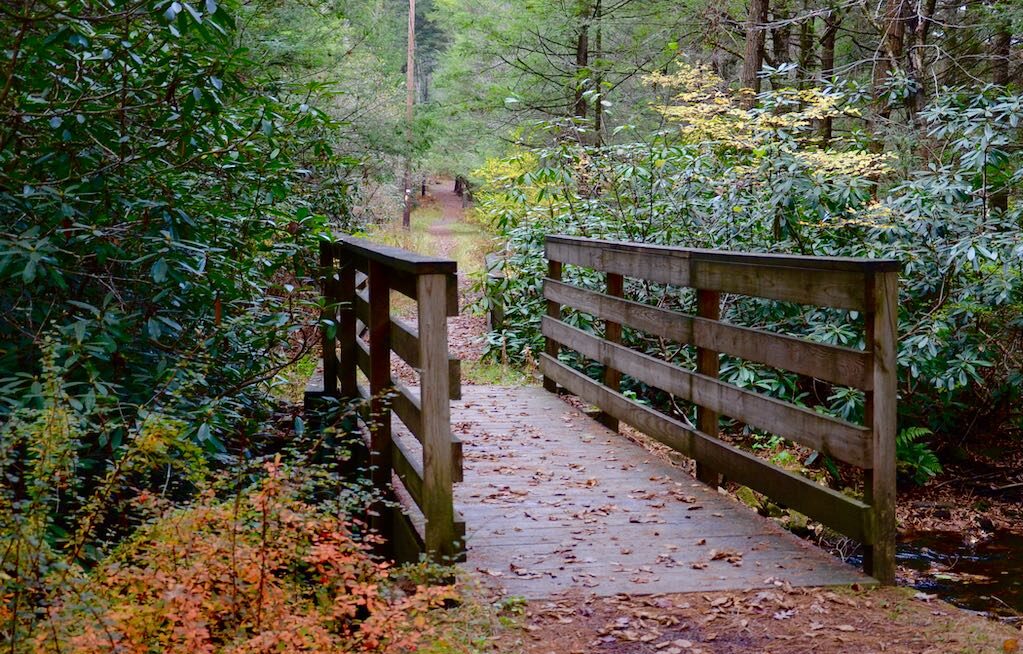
column 555, row 502
column 831, row 363
column 329, row 288
column 612, row 334
column 848, row 264
column 438, row 477
column 882, row 412
column 379, row 375
column 394, row 258
column 842, row 440
column 708, row 306
column 821, row 281
column 405, row 343
column 553, row 311
column 845, row 514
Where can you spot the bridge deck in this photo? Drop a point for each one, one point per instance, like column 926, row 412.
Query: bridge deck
column 554, row 501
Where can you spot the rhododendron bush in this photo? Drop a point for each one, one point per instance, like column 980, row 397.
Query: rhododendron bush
column 260, row 572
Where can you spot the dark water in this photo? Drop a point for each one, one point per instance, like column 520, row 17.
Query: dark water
column 979, row 574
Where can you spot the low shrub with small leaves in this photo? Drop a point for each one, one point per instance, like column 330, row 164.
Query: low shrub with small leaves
column 260, row 572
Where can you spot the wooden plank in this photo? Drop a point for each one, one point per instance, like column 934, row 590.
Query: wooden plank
column 652, row 263
column 346, row 330
column 405, row 283
column 838, row 365
column 829, row 288
column 438, row 476
column 882, row 334
column 406, row 405
column 842, row 440
column 408, row 469
column 379, row 385
column 396, row 258
column 330, row 290
column 612, row 334
column 707, row 363
column 405, row 343
column 362, row 356
column 408, row 538
column 823, row 281
column 553, row 311
column 845, row 514
column 848, row 264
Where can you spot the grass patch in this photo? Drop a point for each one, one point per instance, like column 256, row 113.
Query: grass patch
column 487, row 373
column 476, row 623
column 295, row 378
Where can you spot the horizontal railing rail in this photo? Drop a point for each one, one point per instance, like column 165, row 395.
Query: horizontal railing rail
column 420, row 462
column 862, row 285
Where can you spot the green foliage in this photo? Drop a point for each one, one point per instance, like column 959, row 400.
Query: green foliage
column 160, row 197
column 759, row 180
column 915, row 457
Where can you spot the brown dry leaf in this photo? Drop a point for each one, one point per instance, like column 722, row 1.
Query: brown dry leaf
column 699, row 565
column 1010, row 646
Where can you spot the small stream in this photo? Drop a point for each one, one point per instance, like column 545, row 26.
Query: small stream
column 983, row 575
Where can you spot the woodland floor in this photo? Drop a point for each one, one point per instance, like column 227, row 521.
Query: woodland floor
column 974, row 498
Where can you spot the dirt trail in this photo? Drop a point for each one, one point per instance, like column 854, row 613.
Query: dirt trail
column 450, row 236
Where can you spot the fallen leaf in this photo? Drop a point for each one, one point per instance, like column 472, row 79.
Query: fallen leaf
column 924, row 597
column 845, row 627
column 1010, row 646
column 784, row 615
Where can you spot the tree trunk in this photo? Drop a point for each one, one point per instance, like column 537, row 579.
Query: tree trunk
column 893, row 35
column 921, row 25
column 410, row 100
column 806, row 52
column 754, row 55
column 582, row 59
column 780, row 36
column 1001, row 55
column 598, row 76
column 831, row 23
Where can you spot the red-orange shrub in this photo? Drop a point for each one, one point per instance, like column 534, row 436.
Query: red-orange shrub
column 263, row 572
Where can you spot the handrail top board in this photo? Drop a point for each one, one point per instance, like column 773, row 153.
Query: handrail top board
column 397, row 258
column 846, row 264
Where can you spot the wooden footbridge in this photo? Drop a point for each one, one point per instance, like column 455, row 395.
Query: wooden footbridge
column 539, row 497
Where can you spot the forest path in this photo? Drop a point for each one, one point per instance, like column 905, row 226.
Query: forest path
column 449, row 234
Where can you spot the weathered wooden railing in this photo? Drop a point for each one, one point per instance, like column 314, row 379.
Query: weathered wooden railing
column 421, row 461
column 866, row 286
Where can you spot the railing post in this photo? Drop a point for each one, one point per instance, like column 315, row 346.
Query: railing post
column 880, row 412
column 379, row 388
column 708, row 305
column 346, row 327
column 551, row 347
column 612, row 334
column 330, row 317
column 431, row 292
